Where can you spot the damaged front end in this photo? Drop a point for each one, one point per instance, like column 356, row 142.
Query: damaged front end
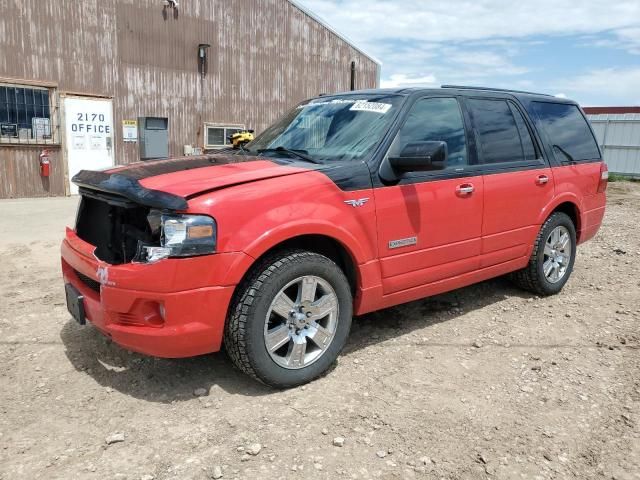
column 124, row 231
column 127, row 222
column 115, row 225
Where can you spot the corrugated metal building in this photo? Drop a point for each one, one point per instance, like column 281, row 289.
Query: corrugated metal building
column 617, row 130
column 76, row 75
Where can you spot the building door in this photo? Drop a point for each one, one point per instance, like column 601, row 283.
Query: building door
column 89, row 135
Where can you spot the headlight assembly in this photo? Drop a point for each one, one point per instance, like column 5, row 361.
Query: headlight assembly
column 180, row 236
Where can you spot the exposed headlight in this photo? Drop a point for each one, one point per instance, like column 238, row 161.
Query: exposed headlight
column 181, row 236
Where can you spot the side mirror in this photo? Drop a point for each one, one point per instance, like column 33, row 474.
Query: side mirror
column 414, row 157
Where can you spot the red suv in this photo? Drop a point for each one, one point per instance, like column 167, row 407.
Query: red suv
column 348, row 204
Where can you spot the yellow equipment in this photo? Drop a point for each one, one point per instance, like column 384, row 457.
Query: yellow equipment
column 239, row 139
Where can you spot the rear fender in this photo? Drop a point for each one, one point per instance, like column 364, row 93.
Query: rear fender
column 565, row 197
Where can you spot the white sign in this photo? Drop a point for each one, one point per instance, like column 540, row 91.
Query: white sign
column 375, row 107
column 79, row 142
column 98, row 142
column 130, row 130
column 41, row 128
column 88, row 135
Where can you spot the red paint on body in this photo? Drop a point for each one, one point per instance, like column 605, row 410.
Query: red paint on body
column 466, row 230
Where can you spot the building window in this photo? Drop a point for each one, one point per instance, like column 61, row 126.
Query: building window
column 217, row 135
column 27, row 114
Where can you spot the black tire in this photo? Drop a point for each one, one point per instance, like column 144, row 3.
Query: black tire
column 532, row 277
column 244, row 333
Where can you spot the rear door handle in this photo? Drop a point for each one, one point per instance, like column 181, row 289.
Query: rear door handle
column 542, row 180
column 465, row 189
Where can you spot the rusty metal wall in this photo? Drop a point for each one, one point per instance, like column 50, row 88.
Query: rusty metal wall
column 20, row 173
column 265, row 56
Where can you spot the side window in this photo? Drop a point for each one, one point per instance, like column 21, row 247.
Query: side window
column 567, row 130
column 434, row 119
column 499, row 135
column 525, row 136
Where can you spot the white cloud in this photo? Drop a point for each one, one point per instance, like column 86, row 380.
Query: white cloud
column 614, row 86
column 459, row 64
column 486, row 61
column 459, row 20
column 484, row 42
column 401, row 80
column 561, row 95
column 627, row 39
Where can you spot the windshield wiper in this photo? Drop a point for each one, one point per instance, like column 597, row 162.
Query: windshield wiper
column 565, row 153
column 289, row 151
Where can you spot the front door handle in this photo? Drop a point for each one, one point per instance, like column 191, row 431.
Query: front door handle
column 465, row 189
column 542, row 180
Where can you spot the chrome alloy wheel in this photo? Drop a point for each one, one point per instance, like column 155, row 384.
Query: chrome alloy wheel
column 301, row 322
column 557, row 254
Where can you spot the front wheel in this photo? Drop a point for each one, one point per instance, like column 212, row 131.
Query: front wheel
column 290, row 319
column 551, row 262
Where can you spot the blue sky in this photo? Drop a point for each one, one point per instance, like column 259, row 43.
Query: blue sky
column 584, row 49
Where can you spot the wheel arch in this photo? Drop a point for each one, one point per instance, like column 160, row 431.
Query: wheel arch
column 322, row 244
column 572, row 211
column 569, row 205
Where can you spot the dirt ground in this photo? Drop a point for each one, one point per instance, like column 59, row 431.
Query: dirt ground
column 483, row 382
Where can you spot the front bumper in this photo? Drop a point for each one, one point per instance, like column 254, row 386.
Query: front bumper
column 173, row 308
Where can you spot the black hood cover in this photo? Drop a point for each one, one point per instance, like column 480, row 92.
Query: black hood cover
column 124, row 180
column 153, row 168
column 130, row 188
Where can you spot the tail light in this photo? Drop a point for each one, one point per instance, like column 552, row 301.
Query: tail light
column 604, row 178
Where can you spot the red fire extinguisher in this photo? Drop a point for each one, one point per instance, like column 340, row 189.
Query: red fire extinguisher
column 45, row 164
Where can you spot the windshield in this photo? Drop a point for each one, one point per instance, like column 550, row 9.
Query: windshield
column 339, row 128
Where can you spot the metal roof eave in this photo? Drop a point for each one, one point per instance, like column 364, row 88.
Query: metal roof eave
column 324, row 23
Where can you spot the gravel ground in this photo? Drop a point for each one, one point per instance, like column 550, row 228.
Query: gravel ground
column 483, row 382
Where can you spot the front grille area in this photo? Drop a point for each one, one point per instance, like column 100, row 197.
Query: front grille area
column 113, row 224
column 89, row 282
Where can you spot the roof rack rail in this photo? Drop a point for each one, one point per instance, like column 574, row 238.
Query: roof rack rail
column 467, row 87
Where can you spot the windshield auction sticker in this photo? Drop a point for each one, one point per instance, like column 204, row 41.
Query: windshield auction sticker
column 366, row 106
column 332, row 102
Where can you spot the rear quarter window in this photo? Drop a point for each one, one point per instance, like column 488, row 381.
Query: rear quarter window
column 567, row 130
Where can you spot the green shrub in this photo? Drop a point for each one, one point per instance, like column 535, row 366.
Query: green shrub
column 616, row 177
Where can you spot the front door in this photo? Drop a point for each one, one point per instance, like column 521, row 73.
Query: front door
column 429, row 225
column 518, row 183
column 88, row 135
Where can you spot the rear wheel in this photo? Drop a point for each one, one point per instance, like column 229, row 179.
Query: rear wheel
column 552, row 259
column 290, row 319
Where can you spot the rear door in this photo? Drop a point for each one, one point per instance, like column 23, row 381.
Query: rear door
column 429, row 225
column 518, row 182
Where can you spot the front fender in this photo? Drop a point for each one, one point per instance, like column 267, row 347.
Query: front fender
column 282, row 233
column 256, row 217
